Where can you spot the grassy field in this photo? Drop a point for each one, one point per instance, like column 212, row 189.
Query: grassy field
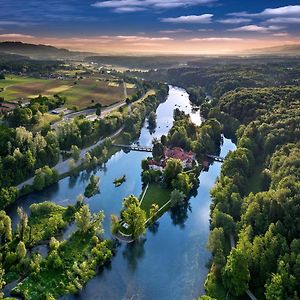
column 80, row 93
column 90, row 91
column 18, row 87
column 156, row 194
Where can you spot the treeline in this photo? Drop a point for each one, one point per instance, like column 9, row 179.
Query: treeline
column 256, row 198
column 22, row 152
column 135, row 119
column 13, row 63
column 218, row 76
column 30, row 115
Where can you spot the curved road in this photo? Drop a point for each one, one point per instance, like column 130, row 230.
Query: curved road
column 63, row 166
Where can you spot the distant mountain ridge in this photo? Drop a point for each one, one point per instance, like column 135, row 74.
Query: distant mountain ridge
column 277, row 50
column 40, row 51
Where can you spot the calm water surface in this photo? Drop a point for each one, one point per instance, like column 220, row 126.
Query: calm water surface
column 170, row 262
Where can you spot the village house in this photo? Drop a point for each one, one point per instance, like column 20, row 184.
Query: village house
column 186, row 158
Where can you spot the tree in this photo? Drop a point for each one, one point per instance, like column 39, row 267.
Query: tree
column 216, row 240
column 75, row 152
column 8, row 196
column 135, row 217
column 177, row 198
column 98, row 109
column 163, row 140
column 115, row 224
column 83, row 219
column 145, row 165
column 172, row 169
column 130, row 200
column 23, row 223
column 274, row 290
column 236, row 274
column 5, row 227
column 158, row 149
column 21, row 250
column 87, row 159
column 182, row 183
column 2, row 281
column 39, row 180
column 153, row 210
column 53, row 244
column 93, row 187
column 2, row 76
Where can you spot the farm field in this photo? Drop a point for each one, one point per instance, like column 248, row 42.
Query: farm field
column 80, row 93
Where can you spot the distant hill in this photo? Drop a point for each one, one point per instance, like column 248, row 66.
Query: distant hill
column 278, row 50
column 40, row 51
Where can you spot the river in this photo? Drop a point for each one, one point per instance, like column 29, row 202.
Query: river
column 170, row 261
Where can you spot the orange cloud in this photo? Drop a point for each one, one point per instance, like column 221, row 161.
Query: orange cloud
column 120, row 44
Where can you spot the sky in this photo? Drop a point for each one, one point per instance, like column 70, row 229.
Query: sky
column 152, row 26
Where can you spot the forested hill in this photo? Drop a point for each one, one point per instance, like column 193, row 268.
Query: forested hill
column 220, row 75
column 278, row 50
column 256, row 200
column 39, row 51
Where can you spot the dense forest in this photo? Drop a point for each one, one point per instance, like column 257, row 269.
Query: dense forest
column 255, row 214
column 256, row 199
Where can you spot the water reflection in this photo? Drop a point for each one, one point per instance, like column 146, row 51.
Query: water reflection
column 133, row 252
column 170, row 262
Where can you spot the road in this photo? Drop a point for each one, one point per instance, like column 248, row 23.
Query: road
column 63, row 166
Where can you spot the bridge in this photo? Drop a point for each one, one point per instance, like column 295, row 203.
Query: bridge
column 134, row 147
column 216, row 158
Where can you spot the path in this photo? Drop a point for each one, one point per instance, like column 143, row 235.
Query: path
column 125, row 89
column 63, row 166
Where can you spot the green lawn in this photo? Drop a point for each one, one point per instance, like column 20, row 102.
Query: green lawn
column 156, row 194
column 16, row 87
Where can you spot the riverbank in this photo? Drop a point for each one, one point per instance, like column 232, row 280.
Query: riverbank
column 181, row 234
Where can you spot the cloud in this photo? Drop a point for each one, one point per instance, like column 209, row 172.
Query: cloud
column 256, row 28
column 281, row 34
column 129, row 9
column 123, row 6
column 16, row 36
column 179, row 30
column 282, row 20
column 289, row 10
column 215, row 39
column 205, row 29
column 234, row 20
column 135, row 38
column 15, row 23
column 192, row 19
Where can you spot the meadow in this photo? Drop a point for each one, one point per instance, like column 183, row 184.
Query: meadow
column 80, row 93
